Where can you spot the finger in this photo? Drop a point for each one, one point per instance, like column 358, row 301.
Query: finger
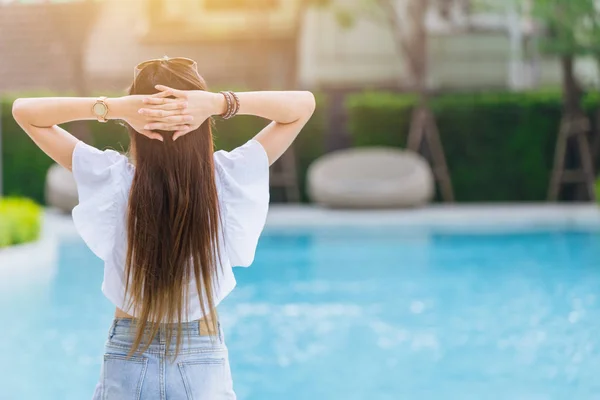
column 175, row 105
column 156, row 126
column 176, row 119
column 164, row 126
column 183, row 132
column 160, row 100
column 180, row 133
column 166, row 93
column 179, row 128
column 156, row 100
column 153, row 113
column 158, row 112
column 170, row 91
column 153, row 135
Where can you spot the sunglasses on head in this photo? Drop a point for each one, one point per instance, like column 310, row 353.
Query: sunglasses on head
column 177, row 60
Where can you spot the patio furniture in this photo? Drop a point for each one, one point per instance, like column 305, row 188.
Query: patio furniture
column 61, row 190
column 375, row 177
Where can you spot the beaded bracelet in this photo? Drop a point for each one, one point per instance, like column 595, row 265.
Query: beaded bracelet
column 233, row 104
column 228, row 101
column 237, row 103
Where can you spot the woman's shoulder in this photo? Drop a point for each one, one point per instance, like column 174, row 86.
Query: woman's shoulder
column 101, row 174
column 245, row 164
column 90, row 163
column 103, row 178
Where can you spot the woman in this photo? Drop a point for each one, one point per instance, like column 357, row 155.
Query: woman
column 171, row 221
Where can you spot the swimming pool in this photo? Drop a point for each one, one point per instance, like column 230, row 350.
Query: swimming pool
column 353, row 314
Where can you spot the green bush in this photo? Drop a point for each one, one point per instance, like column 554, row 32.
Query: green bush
column 498, row 146
column 25, row 166
column 20, row 221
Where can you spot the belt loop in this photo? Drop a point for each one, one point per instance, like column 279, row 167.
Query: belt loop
column 220, row 332
column 162, row 335
column 113, row 329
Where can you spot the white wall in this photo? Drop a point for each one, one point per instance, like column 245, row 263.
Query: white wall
column 365, row 55
column 332, row 55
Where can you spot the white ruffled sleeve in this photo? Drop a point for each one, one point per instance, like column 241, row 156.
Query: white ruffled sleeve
column 99, row 176
column 244, row 189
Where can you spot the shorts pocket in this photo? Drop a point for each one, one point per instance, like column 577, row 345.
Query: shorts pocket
column 206, row 379
column 123, row 377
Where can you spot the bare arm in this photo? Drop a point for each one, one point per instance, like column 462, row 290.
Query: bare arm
column 40, row 117
column 289, row 111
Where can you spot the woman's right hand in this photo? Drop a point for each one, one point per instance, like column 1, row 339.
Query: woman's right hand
column 201, row 105
column 170, row 116
column 289, row 112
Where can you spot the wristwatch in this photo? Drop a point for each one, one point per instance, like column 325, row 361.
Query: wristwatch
column 100, row 109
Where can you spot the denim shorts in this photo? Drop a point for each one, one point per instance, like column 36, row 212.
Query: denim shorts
column 199, row 372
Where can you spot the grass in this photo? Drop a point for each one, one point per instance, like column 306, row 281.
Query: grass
column 20, row 221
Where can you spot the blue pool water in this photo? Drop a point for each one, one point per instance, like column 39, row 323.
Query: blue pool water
column 352, row 314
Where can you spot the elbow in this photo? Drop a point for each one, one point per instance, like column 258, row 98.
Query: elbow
column 19, row 110
column 304, row 107
column 310, row 103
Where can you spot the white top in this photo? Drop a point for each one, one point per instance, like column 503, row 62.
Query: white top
column 103, row 183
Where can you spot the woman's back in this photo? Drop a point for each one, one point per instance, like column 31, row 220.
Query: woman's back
column 104, row 182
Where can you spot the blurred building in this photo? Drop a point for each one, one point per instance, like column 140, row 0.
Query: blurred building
column 486, row 50
column 87, row 45
column 241, row 47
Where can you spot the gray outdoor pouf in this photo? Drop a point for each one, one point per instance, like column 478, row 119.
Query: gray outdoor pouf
column 375, row 177
column 61, row 190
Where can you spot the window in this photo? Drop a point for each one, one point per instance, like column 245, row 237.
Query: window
column 241, row 5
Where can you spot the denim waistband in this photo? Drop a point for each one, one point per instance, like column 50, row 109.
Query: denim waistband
column 122, row 337
column 122, row 333
column 127, row 325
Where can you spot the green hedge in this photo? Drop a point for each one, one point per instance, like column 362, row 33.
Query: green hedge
column 20, row 221
column 25, row 166
column 499, row 146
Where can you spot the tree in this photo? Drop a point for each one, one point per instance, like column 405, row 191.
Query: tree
column 571, row 30
column 406, row 19
column 407, row 22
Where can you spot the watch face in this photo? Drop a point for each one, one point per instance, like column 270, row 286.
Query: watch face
column 99, row 109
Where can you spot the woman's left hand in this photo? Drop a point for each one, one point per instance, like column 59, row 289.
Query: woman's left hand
column 128, row 109
column 200, row 106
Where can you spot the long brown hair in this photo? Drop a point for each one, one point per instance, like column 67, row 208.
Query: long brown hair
column 172, row 219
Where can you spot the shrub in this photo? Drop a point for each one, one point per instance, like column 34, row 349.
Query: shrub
column 498, row 146
column 25, row 166
column 20, row 221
